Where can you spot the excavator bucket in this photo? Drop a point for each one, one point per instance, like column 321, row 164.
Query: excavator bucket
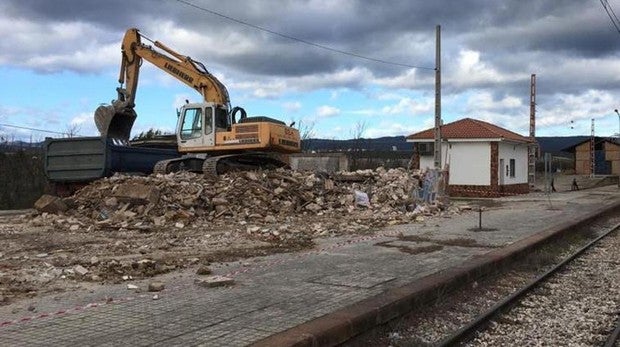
column 113, row 123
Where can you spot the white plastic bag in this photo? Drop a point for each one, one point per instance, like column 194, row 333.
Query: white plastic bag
column 361, row 199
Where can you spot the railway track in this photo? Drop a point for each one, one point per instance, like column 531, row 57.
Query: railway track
column 576, row 302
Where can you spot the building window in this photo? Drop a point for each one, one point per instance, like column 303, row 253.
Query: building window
column 512, row 168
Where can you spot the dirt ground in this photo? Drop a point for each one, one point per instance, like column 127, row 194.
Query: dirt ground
column 47, row 259
column 105, row 237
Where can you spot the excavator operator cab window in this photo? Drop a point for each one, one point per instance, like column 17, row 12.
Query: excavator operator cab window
column 208, row 120
column 192, row 123
column 221, row 119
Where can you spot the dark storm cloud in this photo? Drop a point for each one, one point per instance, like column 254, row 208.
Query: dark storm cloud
column 512, row 37
column 113, row 14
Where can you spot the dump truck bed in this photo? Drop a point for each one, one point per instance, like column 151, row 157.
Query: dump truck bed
column 84, row 159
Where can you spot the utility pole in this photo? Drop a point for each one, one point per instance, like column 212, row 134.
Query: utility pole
column 532, row 148
column 592, row 156
column 438, row 98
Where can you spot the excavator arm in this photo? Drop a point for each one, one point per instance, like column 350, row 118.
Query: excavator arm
column 116, row 120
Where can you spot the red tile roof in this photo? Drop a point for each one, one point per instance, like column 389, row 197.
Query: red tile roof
column 468, row 128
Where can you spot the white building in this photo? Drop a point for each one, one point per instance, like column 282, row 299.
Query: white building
column 483, row 160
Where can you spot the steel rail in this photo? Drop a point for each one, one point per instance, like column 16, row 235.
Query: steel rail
column 615, row 335
column 483, row 320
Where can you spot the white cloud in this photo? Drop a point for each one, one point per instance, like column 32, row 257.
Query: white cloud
column 179, row 100
column 81, row 119
column 590, row 104
column 409, row 79
column 409, row 106
column 292, row 107
column 484, row 100
column 386, row 128
column 472, row 71
column 56, row 46
column 327, row 111
column 262, row 90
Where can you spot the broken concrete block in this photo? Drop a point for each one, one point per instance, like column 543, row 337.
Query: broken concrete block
column 111, row 202
column 214, row 281
column 156, row 286
column 219, row 201
column 80, row 270
column 271, row 219
column 251, row 175
column 313, row 207
column 50, row 204
column 94, row 260
column 252, row 229
column 138, row 193
column 203, row 270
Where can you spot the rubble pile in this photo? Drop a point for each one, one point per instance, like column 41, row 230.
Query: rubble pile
column 277, row 203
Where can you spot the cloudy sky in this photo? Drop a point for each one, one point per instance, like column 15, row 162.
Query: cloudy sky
column 59, row 60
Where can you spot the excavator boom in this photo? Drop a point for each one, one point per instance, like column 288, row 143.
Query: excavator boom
column 116, row 120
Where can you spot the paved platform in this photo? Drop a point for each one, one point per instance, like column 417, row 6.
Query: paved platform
column 275, row 293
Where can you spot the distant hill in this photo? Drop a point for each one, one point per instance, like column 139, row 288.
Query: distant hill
column 548, row 144
column 19, row 145
column 387, row 143
column 555, row 144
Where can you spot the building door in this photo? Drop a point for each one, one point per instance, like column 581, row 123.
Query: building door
column 502, row 172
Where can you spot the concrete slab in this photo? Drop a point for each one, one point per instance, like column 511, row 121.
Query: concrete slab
column 321, row 296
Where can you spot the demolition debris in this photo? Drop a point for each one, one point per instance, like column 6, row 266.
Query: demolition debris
column 268, row 204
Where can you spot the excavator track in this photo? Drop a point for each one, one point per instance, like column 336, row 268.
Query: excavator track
column 218, row 165
column 186, row 163
column 162, row 167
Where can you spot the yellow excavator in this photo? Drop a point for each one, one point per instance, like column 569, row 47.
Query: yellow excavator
column 209, row 137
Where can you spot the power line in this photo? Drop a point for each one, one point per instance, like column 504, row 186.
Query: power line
column 611, row 14
column 33, row 129
column 317, row 45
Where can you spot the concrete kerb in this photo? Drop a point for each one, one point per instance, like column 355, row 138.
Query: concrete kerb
column 343, row 324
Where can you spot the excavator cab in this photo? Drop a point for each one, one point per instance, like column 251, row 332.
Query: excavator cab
column 196, row 125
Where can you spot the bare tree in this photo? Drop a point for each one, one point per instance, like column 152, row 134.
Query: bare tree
column 72, row 130
column 306, row 132
column 358, row 130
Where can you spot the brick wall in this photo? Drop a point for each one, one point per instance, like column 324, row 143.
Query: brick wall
column 494, row 165
column 514, row 189
column 582, row 159
column 470, row 191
